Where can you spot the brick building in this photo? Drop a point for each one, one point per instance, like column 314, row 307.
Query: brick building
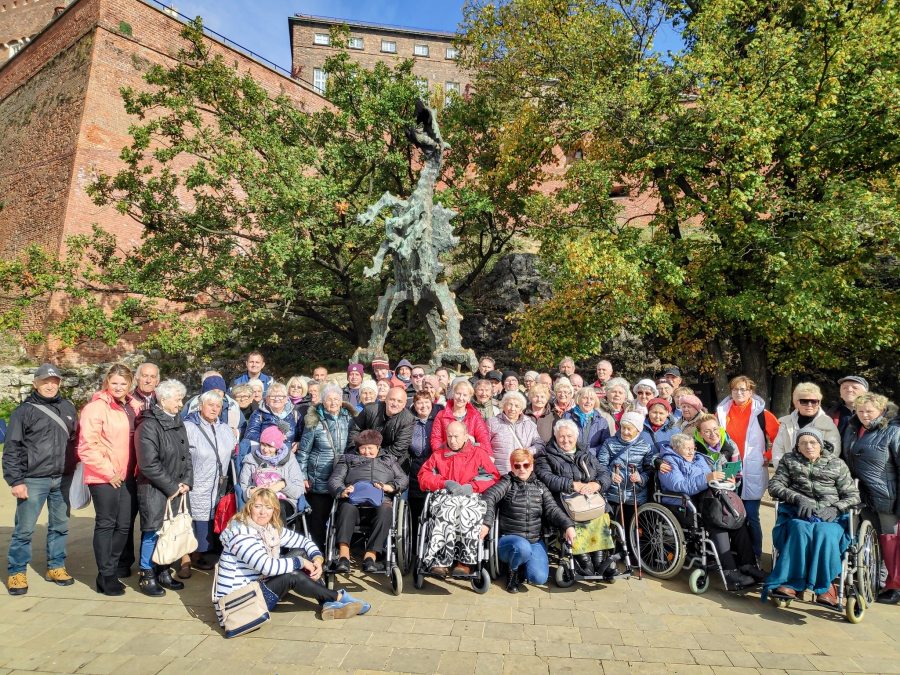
column 433, row 51
column 21, row 20
column 63, row 120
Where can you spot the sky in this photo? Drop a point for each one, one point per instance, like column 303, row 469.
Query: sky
column 261, row 25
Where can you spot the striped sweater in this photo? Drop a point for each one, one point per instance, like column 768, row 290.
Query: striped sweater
column 245, row 559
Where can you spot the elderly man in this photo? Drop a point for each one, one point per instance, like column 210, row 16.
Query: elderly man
column 567, row 366
column 392, row 420
column 145, row 380
column 673, row 375
column 255, row 364
column 38, row 462
column 354, row 382
column 851, row 387
column 604, row 375
column 546, row 380
column 576, row 380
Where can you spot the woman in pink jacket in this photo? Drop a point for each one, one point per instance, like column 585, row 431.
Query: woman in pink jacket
column 460, row 410
column 110, row 464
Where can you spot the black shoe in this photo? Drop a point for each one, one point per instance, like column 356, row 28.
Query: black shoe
column 597, row 561
column 343, row 566
column 110, row 586
column 512, row 581
column 123, row 572
column 758, row 575
column 369, row 566
column 584, row 565
column 888, row 598
column 165, row 579
column 735, row 581
column 149, row 584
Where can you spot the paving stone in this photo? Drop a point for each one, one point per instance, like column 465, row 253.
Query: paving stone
column 414, row 660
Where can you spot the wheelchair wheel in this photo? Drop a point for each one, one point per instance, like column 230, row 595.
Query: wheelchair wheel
column 482, row 583
column 418, row 579
column 396, row 580
column 868, row 563
column 856, row 608
column 698, row 582
column 403, row 542
column 662, row 547
column 564, row 577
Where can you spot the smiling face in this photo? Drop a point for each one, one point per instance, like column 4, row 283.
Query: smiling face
column 418, row 378
column 461, row 397
column 483, row 391
column 404, row 372
column 604, row 371
column 332, row 402
column 147, row 378
column 367, row 396
column 354, row 379
column 643, row 395
column 255, row 365
column 296, row 390
column 538, row 400
column 257, row 392
column 688, row 450
column 628, row 432
column 665, row 390
column 657, row 415
column 320, row 374
column 616, row 395
column 807, row 404
column 741, row 393
column 523, row 468
column 588, row 401
column 173, row 404
column 485, row 366
column 267, row 450
column 314, row 396
column 563, row 396
column 261, row 513
column 566, row 438
column 118, row 387
column 423, row 408
column 395, row 402
column 512, row 408
column 276, row 400
column 383, row 388
column 511, row 383
column 709, row 432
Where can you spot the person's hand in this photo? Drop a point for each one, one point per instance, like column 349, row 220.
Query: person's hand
column 590, row 488
column 635, row 477
column 665, row 467
column 451, row 486
column 570, row 535
column 20, row 491
column 294, row 447
column 805, row 507
column 306, row 484
column 183, row 488
column 577, row 486
column 347, row 491
column 484, row 531
column 116, row 481
column 617, row 478
column 387, row 487
column 314, row 568
column 827, row 513
column 278, row 485
column 715, row 475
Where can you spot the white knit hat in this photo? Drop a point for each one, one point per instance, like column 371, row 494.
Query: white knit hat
column 635, row 419
column 646, row 383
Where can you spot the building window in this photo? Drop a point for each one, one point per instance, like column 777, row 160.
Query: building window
column 322, row 39
column 422, row 84
column 355, row 43
column 389, row 46
column 420, row 50
column 451, row 86
column 320, row 79
column 452, row 52
column 15, row 48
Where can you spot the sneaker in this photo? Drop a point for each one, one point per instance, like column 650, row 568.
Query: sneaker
column 885, row 598
column 758, row 575
column 365, row 605
column 829, row 597
column 343, row 566
column 17, row 584
column 369, row 566
column 59, row 576
column 342, row 608
column 735, row 581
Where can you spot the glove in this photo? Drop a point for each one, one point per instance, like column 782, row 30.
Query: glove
column 464, row 490
column 451, row 486
column 827, row 513
column 805, row 507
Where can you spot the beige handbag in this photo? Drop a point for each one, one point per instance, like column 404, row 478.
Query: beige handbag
column 243, row 610
column 582, row 508
column 176, row 536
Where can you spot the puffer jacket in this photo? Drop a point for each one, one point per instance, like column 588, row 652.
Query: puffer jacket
column 787, row 435
column 420, row 450
column 617, row 453
column 827, row 481
column 473, row 465
column 288, row 420
column 507, row 437
column 660, row 438
column 874, row 458
column 104, row 439
column 396, row 431
column 686, row 477
column 316, row 454
column 523, row 507
column 475, row 425
column 206, row 468
column 558, row 470
column 352, row 467
column 489, row 409
column 592, row 433
column 164, row 461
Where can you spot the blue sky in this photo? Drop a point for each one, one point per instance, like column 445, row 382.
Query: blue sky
column 262, row 27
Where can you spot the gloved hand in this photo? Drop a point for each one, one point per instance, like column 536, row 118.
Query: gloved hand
column 464, row 490
column 451, row 486
column 827, row 513
column 805, row 507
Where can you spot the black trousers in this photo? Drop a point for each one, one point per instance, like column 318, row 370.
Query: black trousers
column 734, row 547
column 416, row 505
column 115, row 509
column 299, row 582
column 317, row 520
column 349, row 516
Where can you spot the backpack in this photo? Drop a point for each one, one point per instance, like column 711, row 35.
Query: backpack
column 722, row 509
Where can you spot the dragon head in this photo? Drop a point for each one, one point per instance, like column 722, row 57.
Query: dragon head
column 426, row 135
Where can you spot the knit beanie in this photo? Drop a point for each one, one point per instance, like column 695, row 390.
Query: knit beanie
column 213, row 382
column 380, row 362
column 272, row 436
column 635, row 419
column 659, row 401
column 691, row 400
column 355, row 368
column 810, row 431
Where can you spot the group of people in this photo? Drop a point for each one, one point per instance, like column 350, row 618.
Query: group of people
column 521, row 451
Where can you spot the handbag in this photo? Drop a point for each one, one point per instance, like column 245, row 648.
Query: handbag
column 366, row 494
column 225, row 510
column 243, row 610
column 582, row 508
column 176, row 536
column 722, row 509
column 79, row 493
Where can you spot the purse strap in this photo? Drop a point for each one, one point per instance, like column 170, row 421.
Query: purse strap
column 53, row 416
column 512, row 428
column 214, row 444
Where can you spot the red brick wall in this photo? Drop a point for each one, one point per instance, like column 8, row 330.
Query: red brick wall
column 23, row 19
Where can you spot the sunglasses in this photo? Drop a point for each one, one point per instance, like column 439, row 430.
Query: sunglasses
column 808, row 401
column 522, row 465
column 417, row 376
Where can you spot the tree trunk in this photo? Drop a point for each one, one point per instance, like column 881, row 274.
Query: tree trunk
column 781, row 394
column 755, row 364
column 720, row 376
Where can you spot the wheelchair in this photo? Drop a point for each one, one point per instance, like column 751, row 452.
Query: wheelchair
column 567, row 573
column 487, row 568
column 397, row 545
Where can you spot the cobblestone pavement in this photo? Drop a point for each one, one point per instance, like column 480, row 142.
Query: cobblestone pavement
column 630, row 627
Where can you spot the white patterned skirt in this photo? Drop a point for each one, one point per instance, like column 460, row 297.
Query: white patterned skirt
column 453, row 529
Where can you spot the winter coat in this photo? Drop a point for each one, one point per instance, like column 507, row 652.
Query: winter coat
column 204, row 493
column 827, row 481
column 36, row 445
column 231, row 412
column 559, row 470
column 660, row 438
column 287, row 468
column 616, row 453
column 523, row 507
column 420, row 450
column 840, row 414
column 787, row 435
column 164, row 461
column 507, row 437
column 544, row 423
column 755, row 474
column 351, row 468
column 686, row 477
column 593, row 435
column 346, row 395
column 489, row 409
column 104, row 439
column 244, row 378
column 606, row 409
column 288, row 420
column 874, row 458
column 396, row 431
column 475, row 425
column 324, row 440
column 471, row 465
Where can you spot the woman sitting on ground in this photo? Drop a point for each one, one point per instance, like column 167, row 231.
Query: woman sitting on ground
column 526, row 505
column 817, row 490
column 252, row 545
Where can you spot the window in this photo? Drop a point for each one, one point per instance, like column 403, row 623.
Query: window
column 389, row 46
column 322, row 39
column 451, row 86
column 452, row 52
column 422, row 84
column 320, row 79
column 355, row 43
column 15, row 48
column 420, row 50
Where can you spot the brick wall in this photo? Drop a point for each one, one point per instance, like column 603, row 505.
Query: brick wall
column 22, row 19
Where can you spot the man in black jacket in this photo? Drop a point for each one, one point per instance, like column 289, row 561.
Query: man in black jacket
column 39, row 459
column 392, row 420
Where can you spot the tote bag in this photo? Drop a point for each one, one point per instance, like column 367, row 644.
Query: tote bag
column 582, row 508
column 176, row 536
column 79, row 494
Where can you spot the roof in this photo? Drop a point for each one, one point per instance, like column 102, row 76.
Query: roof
column 333, row 21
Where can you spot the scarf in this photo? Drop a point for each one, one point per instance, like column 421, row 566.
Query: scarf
column 274, row 460
column 271, row 538
column 582, row 418
column 295, row 399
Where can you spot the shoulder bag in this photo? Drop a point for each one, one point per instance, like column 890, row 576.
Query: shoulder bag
column 176, row 536
column 243, row 610
column 582, row 508
column 722, row 509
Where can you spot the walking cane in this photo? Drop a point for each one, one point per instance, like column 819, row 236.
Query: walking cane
column 637, row 525
column 621, row 500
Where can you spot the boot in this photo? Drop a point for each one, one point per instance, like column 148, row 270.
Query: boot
column 888, row 597
column 512, row 581
column 754, row 571
column 149, row 584
column 597, row 562
column 736, row 581
column 110, row 585
column 164, row 576
column 584, row 565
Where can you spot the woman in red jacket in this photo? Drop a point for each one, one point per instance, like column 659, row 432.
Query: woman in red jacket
column 460, row 410
column 456, row 473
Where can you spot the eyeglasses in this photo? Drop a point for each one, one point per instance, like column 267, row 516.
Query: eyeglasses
column 418, row 377
column 808, row 401
column 741, row 390
column 277, row 398
column 710, row 432
column 522, row 465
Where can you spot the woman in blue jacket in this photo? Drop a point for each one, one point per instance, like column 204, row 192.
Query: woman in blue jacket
column 659, row 426
column 592, row 427
column 627, row 449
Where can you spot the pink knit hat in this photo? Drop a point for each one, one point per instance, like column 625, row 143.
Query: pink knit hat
column 692, row 401
column 272, row 436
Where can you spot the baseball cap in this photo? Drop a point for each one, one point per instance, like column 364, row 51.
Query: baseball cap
column 45, row 371
column 674, row 370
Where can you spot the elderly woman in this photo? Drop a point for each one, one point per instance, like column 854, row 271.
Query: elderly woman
column 510, row 380
column 659, row 426
column 327, row 427
column 276, row 411
column 568, row 469
column 593, row 429
column 419, row 451
column 105, row 448
column 457, row 473
column 872, row 451
column 807, row 412
column 483, row 400
column 529, row 380
column 666, row 391
column 383, row 385
column 461, row 410
column 689, row 409
column 271, row 465
column 252, row 545
column 511, row 430
column 644, row 390
column 563, row 392
column 165, row 471
column 691, row 474
column 298, row 392
column 525, row 506
column 816, row 489
column 368, row 392
column 212, row 448
column 366, row 468
column 629, row 458
column 615, row 403
column 243, row 396
column 539, row 410
column 258, row 387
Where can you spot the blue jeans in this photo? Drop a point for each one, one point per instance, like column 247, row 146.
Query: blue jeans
column 752, row 506
column 55, row 492
column 516, row 551
column 148, row 545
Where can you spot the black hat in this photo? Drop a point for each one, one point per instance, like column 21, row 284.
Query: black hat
column 368, row 437
column 510, row 373
column 45, row 371
column 495, row 375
